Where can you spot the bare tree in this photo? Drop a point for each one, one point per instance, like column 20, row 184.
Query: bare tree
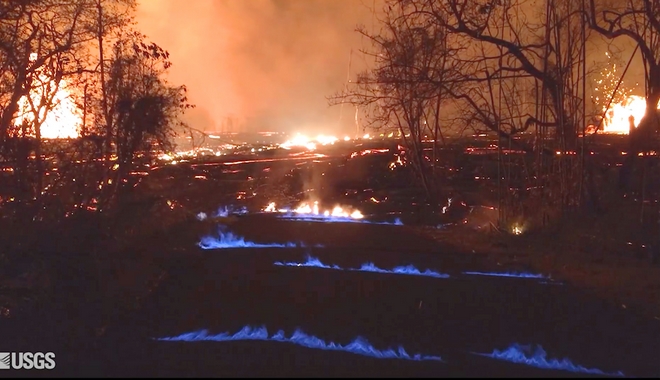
column 48, row 46
column 639, row 21
column 504, row 65
column 402, row 90
column 37, row 41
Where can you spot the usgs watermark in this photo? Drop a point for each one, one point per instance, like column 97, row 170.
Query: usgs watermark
column 27, row 360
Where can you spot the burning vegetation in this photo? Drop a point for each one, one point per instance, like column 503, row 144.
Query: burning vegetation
column 88, row 120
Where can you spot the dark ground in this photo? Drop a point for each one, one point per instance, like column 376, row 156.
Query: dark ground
column 224, row 290
column 109, row 291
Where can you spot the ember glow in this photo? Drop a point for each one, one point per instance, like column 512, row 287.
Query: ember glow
column 359, row 346
column 63, row 120
column 616, row 119
column 537, row 357
column 366, row 267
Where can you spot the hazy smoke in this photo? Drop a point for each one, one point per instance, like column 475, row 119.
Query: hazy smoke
column 269, row 63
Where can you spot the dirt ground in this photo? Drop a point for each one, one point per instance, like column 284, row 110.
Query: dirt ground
column 626, row 278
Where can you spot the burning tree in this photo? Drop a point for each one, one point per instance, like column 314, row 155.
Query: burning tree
column 58, row 136
column 639, row 21
column 38, row 43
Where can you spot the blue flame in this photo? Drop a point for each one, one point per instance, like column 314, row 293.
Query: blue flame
column 366, row 267
column 311, row 262
column 408, row 269
column 536, row 356
column 228, row 239
column 225, row 211
column 509, row 274
column 359, row 346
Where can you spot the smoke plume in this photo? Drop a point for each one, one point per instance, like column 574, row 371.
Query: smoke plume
column 268, row 64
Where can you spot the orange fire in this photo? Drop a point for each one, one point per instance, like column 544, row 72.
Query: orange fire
column 63, row 120
column 314, row 209
column 617, row 118
column 309, row 143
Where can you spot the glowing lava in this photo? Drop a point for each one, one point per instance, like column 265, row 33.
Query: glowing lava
column 366, row 267
column 359, row 346
column 63, row 120
column 537, row 357
column 616, row 119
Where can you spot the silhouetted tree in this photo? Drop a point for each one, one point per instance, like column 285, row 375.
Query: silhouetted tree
column 639, row 21
column 145, row 110
column 403, row 90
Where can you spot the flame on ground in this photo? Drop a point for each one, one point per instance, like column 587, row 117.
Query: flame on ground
column 359, row 346
column 300, row 141
column 228, row 239
column 311, row 262
column 408, row 270
column 509, row 274
column 225, row 211
column 616, row 119
column 366, row 267
column 312, row 212
column 537, row 357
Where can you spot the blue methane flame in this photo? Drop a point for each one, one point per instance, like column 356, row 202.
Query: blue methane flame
column 359, row 346
column 366, row 267
column 408, row 269
column 225, row 211
column 509, row 274
column 228, row 239
column 537, row 357
column 311, row 262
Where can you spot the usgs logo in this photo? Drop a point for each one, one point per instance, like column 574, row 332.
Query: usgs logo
column 27, row 360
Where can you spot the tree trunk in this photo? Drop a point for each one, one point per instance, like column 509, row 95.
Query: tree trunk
column 8, row 113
